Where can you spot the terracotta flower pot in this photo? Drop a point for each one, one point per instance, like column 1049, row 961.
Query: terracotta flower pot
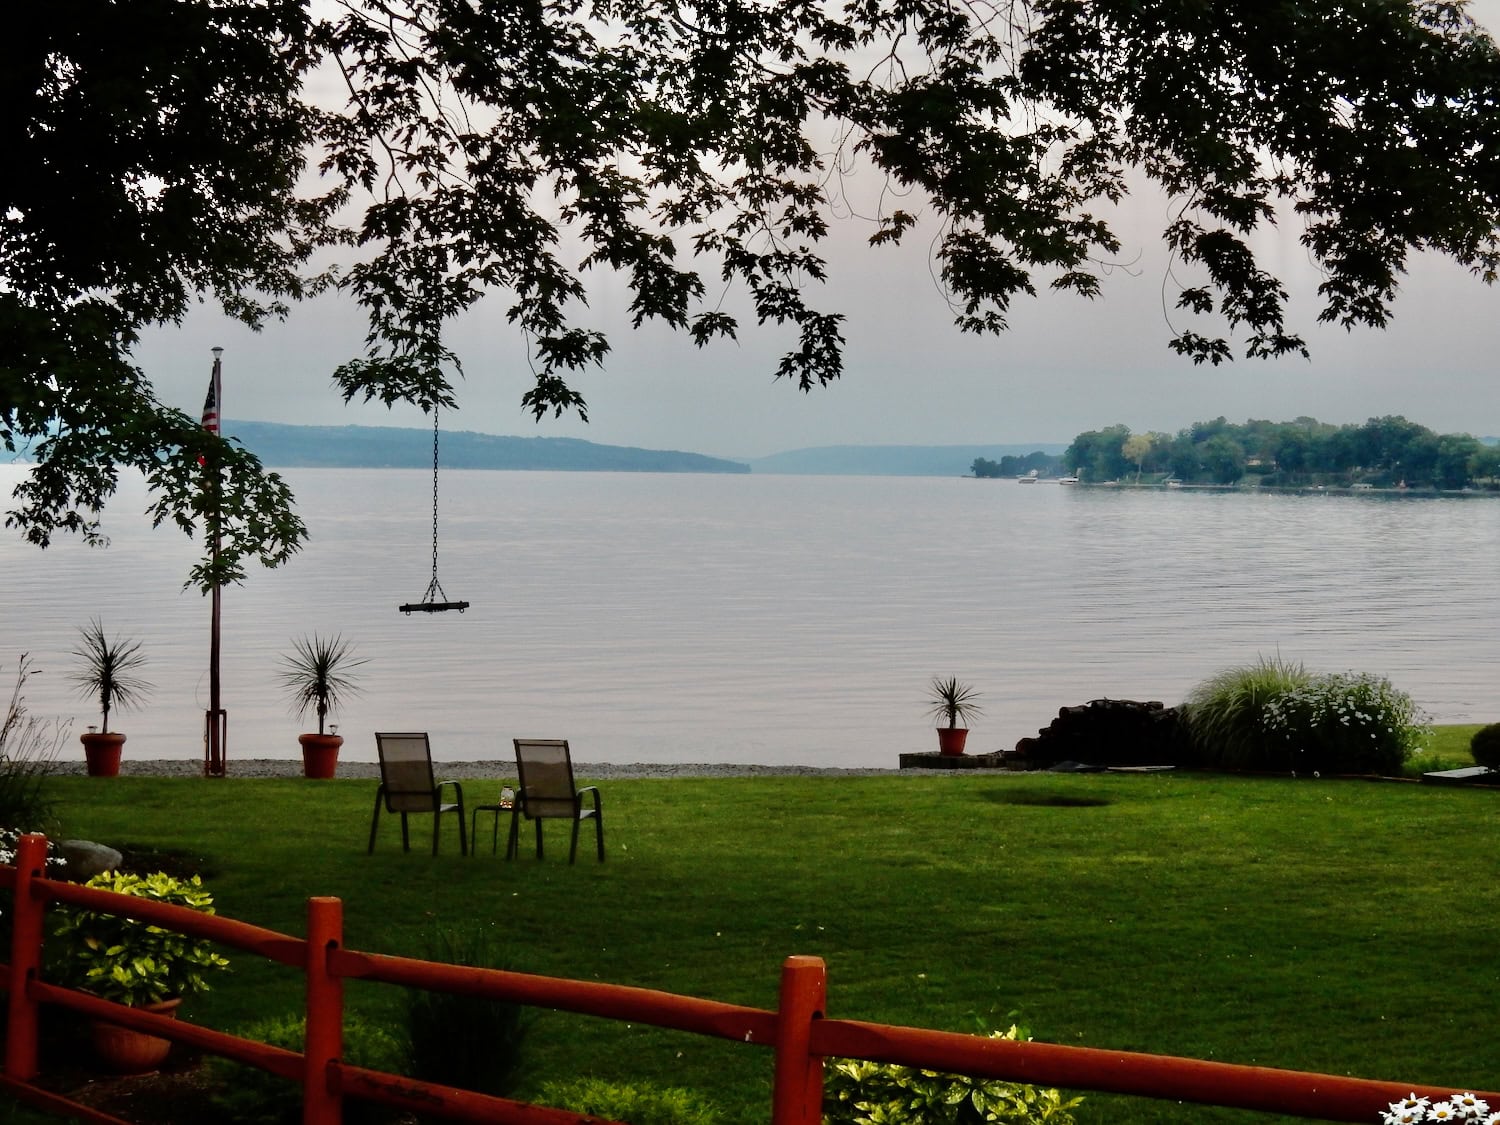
column 127, row 1051
column 101, row 753
column 320, row 754
column 951, row 740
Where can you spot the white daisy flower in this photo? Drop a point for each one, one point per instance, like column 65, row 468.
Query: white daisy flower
column 1471, row 1106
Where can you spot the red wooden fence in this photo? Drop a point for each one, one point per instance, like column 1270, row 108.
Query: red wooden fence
column 798, row 1031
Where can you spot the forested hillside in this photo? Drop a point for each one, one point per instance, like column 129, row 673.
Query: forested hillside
column 378, row 447
column 1389, row 452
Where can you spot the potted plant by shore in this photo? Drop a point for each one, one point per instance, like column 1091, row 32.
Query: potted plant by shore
column 316, row 677
column 108, row 671
column 134, row 963
column 953, row 701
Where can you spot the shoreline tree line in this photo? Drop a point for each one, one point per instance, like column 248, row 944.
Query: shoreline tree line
column 1386, row 452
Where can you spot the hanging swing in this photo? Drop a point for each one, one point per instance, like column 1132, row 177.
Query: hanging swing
column 434, row 600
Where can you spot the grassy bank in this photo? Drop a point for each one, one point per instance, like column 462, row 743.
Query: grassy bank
column 1336, row 926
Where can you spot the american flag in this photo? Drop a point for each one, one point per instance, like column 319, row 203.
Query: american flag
column 211, row 403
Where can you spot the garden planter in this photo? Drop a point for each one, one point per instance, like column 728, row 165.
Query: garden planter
column 320, row 754
column 127, row 1051
column 101, row 753
column 951, row 740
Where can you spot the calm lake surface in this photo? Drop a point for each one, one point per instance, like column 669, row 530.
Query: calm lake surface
column 765, row 619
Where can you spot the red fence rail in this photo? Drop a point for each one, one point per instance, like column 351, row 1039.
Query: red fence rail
column 798, row 1032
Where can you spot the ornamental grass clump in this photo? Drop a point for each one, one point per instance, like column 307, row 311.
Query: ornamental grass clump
column 858, row 1092
column 1347, row 722
column 1224, row 715
column 471, row 1042
column 28, row 746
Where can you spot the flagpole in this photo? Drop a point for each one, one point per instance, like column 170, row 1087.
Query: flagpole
column 215, row 722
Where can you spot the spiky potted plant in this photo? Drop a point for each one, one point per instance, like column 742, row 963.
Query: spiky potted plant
column 316, row 677
column 953, row 701
column 108, row 671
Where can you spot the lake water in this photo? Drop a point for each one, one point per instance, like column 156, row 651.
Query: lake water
column 766, row 619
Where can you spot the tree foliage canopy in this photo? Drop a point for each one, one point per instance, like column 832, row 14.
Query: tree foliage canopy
column 163, row 152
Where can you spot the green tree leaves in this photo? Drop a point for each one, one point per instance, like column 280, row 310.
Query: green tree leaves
column 486, row 147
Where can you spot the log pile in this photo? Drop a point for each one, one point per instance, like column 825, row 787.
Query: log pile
column 1107, row 732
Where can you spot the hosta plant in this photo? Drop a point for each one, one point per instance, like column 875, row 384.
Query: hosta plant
column 135, row 962
column 858, row 1092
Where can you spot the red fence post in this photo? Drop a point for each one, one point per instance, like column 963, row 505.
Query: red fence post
column 797, row 1097
column 26, row 959
column 322, row 1103
column 27, row 915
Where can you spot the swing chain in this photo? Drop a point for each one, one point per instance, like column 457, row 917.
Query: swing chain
column 434, row 493
column 435, row 600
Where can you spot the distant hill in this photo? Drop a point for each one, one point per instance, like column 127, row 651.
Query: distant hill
column 391, row 447
column 893, row 460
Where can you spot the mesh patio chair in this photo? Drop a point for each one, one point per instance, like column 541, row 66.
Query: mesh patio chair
column 545, row 790
column 407, row 786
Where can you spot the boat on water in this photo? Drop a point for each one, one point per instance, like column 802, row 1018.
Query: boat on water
column 1029, row 478
column 1173, row 483
column 1074, row 479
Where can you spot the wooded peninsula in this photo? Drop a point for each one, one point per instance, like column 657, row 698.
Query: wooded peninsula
column 1389, row 452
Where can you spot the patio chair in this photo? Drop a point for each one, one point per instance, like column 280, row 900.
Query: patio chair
column 407, row 786
column 545, row 790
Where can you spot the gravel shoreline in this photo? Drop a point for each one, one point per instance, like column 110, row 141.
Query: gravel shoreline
column 463, row 771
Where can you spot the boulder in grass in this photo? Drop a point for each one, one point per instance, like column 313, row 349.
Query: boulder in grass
column 85, row 859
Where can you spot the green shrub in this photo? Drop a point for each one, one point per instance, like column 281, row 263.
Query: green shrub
column 1485, row 747
column 1428, row 761
column 134, row 962
column 634, row 1102
column 247, row 1095
column 465, row 1041
column 1224, row 715
column 856, row 1092
column 1347, row 723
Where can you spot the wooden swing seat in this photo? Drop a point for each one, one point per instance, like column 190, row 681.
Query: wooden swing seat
column 432, row 607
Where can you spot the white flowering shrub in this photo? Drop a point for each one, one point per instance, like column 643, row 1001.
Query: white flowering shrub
column 10, row 839
column 1346, row 722
column 1412, row 1110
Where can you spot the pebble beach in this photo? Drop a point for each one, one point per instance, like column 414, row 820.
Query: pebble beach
column 463, row 771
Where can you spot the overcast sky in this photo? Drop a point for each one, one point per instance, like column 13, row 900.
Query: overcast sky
column 1067, row 365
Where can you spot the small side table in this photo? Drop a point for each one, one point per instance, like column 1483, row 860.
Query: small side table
column 506, row 804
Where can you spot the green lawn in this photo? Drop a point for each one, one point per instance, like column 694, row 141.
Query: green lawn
column 1339, row 926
